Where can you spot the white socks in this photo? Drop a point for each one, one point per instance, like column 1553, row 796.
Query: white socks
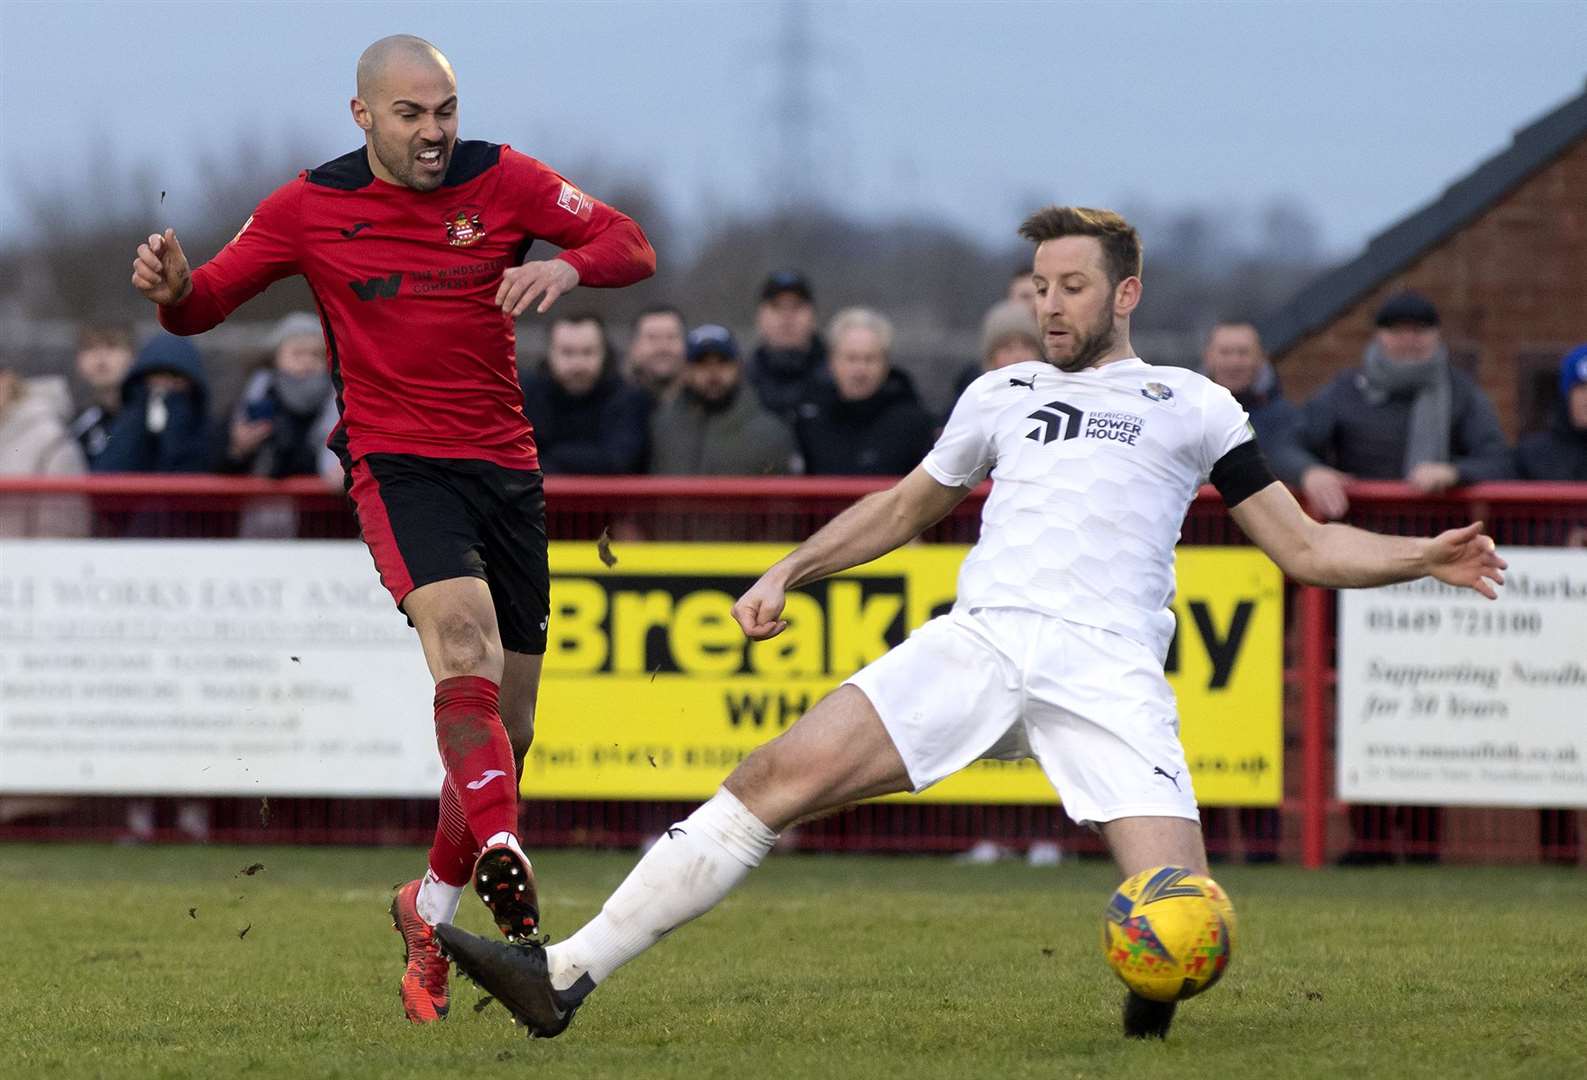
column 688, row 871
column 437, row 901
column 505, row 838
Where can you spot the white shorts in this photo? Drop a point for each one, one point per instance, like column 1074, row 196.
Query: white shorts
column 1092, row 707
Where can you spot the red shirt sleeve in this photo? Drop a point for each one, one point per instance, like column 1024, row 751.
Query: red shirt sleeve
column 604, row 245
column 264, row 250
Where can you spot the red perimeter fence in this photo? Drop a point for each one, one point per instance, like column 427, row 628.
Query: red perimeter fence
column 1311, row 826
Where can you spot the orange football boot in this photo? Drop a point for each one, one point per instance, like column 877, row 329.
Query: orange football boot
column 424, row 992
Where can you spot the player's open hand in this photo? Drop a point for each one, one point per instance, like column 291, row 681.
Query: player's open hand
column 759, row 611
column 521, row 285
column 1467, row 558
column 160, row 271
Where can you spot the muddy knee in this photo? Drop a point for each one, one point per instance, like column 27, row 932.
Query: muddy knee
column 466, row 648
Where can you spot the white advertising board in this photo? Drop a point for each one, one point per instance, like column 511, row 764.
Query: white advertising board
column 208, row 668
column 1447, row 698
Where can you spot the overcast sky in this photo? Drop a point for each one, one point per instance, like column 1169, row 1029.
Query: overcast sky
column 966, row 111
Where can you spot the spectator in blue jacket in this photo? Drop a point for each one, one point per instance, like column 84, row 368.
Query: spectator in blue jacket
column 163, row 425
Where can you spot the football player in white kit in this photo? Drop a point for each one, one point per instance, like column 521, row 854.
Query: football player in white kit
column 1054, row 648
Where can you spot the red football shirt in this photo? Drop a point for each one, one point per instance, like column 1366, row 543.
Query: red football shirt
column 423, row 359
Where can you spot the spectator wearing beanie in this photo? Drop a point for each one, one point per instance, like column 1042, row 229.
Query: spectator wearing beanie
column 286, row 411
column 1009, row 335
column 1560, row 453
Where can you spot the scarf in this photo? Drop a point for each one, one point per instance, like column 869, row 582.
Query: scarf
column 1432, row 411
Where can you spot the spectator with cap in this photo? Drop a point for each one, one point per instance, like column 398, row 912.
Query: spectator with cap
column 586, row 419
column 655, row 352
column 789, row 362
column 1009, row 335
column 715, row 426
column 163, row 425
column 1404, row 414
column 104, row 356
column 1560, row 453
column 286, row 410
column 35, row 441
column 867, row 420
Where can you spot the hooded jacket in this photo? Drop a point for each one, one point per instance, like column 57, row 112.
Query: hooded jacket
column 886, row 434
column 35, row 441
column 161, row 433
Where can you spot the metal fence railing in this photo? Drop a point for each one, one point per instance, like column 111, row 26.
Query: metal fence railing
column 1312, row 825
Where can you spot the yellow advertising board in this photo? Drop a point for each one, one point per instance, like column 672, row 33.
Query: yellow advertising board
column 651, row 691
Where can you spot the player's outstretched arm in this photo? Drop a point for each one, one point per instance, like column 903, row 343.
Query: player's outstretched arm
column 877, row 524
column 160, row 270
column 1343, row 557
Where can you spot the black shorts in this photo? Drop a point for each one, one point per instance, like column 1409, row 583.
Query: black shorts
column 430, row 519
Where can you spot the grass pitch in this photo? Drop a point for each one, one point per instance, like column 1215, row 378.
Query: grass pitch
column 131, row 963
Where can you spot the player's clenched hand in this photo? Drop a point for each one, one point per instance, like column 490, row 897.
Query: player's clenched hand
column 1467, row 558
column 520, row 285
column 759, row 611
column 160, row 271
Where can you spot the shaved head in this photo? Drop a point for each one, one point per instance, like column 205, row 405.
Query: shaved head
column 388, row 52
column 407, row 108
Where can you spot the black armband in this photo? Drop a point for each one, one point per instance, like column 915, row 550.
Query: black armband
column 1241, row 473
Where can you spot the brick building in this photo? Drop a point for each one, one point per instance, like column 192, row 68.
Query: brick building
column 1503, row 253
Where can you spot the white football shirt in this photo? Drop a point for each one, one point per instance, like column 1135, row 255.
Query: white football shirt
column 1092, row 474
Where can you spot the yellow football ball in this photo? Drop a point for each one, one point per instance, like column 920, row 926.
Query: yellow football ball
column 1169, row 933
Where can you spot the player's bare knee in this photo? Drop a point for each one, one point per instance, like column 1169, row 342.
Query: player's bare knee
column 757, row 775
column 465, row 646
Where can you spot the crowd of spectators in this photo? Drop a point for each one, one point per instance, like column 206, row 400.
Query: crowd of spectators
column 805, row 398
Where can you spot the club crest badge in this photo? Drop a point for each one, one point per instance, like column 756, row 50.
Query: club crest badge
column 464, row 228
column 1156, row 391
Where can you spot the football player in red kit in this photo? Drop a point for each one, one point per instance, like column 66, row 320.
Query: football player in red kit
column 414, row 247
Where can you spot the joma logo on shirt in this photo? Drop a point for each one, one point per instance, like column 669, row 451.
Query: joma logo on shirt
column 377, row 288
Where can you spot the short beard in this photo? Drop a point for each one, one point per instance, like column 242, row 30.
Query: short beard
column 403, row 168
column 1092, row 347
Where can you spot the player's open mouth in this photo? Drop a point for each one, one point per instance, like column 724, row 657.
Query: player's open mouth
column 431, row 158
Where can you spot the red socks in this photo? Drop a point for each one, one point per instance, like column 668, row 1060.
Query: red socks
column 452, row 852
column 480, row 773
